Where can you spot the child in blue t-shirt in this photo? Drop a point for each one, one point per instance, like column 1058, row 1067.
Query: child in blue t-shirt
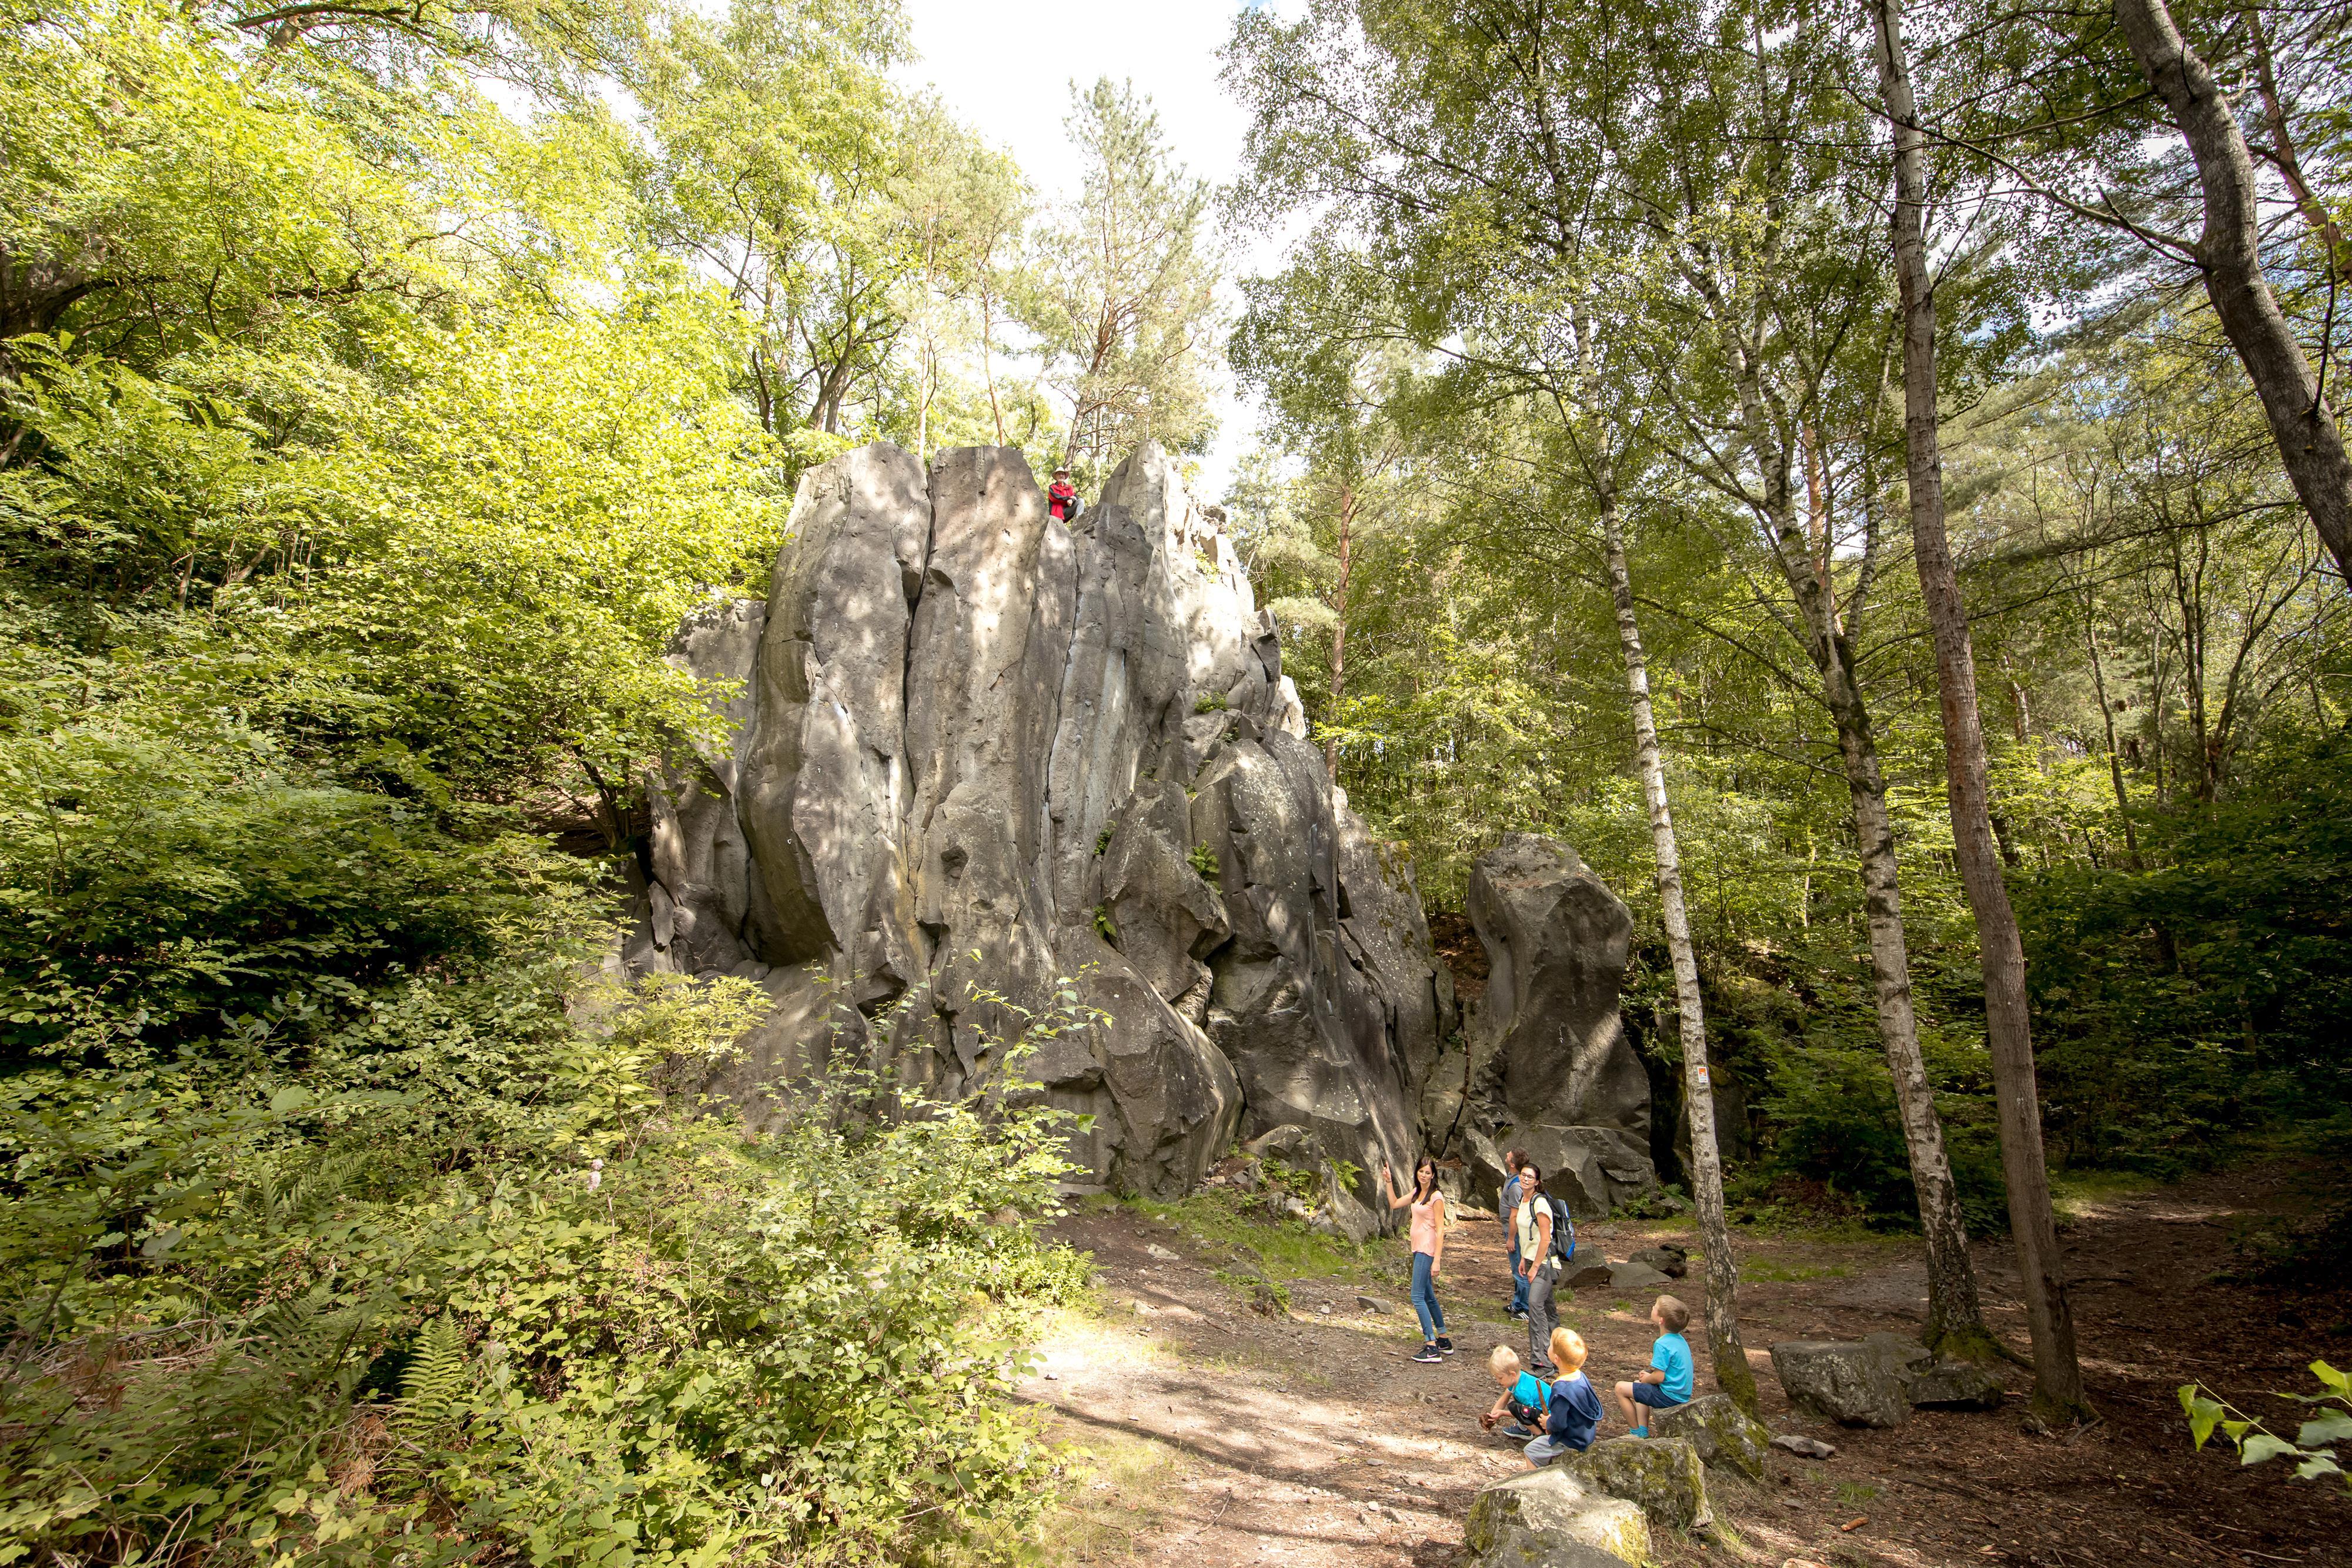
column 1523, row 1398
column 1669, row 1382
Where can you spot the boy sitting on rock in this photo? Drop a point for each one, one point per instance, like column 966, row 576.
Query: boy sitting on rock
column 1525, row 1396
column 1668, row 1382
column 1574, row 1409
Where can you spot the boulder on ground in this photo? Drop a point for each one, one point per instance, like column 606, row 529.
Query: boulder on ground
column 1858, row 1384
column 1807, row 1447
column 1662, row 1475
column 1668, row 1259
column 1546, row 1066
column 1945, row 1382
column 1721, row 1432
column 1632, row 1275
column 1587, row 1271
column 1551, row 1519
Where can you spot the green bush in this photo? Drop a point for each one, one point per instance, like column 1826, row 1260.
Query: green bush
column 2177, row 1005
column 366, row 1295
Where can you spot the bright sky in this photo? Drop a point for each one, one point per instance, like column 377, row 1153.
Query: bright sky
column 1005, row 69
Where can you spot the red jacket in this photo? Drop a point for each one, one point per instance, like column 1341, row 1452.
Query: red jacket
column 1062, row 500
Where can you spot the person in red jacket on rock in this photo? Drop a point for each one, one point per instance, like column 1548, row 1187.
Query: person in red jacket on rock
column 1062, row 498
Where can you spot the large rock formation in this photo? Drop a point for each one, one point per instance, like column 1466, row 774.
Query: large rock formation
column 976, row 752
column 1546, row 1066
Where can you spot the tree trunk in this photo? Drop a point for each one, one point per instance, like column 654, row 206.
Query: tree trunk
column 1731, row 1373
column 2058, row 1396
column 987, row 363
column 1955, row 1319
column 2289, row 160
column 2107, row 721
column 1339, row 625
column 2310, row 444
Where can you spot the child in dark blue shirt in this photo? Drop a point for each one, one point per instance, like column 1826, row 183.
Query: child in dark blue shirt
column 1574, row 1409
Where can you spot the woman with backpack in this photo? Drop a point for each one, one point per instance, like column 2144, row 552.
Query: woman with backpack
column 1535, row 1225
column 1428, row 1206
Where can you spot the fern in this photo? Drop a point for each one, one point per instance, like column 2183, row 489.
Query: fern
column 435, row 1383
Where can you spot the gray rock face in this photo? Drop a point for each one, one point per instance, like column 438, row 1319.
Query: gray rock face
column 1858, row 1384
column 1547, row 1067
column 1551, row 1519
column 975, row 755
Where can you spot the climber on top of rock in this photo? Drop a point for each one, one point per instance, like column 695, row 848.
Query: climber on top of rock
column 1062, row 498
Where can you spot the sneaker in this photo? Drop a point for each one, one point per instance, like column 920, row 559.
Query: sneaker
column 1547, row 1373
column 1517, row 1433
column 1445, row 1344
column 1520, row 1313
column 1429, row 1352
column 1639, row 1432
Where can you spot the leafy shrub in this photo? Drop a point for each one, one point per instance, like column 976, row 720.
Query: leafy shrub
column 2314, row 1448
column 370, row 1299
column 1205, row 863
column 2175, row 1005
column 1837, row 1146
column 1209, row 702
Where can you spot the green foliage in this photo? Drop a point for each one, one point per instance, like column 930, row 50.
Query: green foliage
column 2209, row 990
column 1204, row 861
column 1102, row 840
column 704, row 1344
column 1209, row 702
column 362, row 445
column 1124, row 299
column 1105, row 926
column 2312, row 1451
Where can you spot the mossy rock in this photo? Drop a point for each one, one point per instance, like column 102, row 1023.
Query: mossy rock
column 1720, row 1430
column 1549, row 1519
column 1663, row 1476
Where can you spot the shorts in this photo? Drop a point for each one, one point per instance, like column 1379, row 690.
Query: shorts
column 1656, row 1396
column 1546, row 1448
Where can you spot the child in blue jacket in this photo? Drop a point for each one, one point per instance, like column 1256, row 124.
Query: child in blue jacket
column 1574, row 1408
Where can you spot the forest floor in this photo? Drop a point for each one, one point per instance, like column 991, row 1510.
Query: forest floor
column 1213, row 1436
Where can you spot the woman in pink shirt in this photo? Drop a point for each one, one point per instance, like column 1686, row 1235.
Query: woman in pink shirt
column 1428, row 1206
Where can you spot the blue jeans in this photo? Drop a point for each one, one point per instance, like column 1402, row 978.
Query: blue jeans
column 1518, row 1282
column 1424, row 1297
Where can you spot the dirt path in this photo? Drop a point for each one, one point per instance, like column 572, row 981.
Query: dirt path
column 1224, row 1437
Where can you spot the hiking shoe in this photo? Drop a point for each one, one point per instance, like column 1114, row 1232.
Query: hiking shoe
column 1519, row 1312
column 1445, row 1344
column 1517, row 1433
column 1429, row 1352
